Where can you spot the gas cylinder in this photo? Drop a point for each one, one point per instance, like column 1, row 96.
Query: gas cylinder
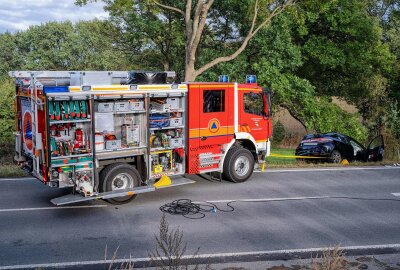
column 78, row 138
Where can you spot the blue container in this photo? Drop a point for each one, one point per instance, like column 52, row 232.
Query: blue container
column 159, row 120
column 55, row 89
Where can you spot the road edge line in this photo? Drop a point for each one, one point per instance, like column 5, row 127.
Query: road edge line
column 327, row 169
column 272, row 255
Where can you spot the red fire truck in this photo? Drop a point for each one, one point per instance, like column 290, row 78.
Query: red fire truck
column 114, row 134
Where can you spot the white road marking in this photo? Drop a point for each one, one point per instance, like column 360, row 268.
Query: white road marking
column 200, row 256
column 51, row 208
column 396, row 194
column 17, row 179
column 327, row 169
column 269, row 199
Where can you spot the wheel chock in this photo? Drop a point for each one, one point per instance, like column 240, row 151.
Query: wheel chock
column 163, row 182
column 345, row 162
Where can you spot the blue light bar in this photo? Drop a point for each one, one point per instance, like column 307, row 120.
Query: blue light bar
column 251, row 79
column 223, row 78
column 55, row 89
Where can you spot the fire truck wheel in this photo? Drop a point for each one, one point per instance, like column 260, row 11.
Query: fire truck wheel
column 119, row 176
column 238, row 165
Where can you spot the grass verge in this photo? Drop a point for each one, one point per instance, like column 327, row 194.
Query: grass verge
column 11, row 170
column 279, row 162
column 7, row 166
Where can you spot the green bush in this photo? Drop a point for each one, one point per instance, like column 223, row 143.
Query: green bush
column 278, row 132
column 329, row 117
column 7, row 114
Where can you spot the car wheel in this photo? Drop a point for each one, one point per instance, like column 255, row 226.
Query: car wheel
column 119, row 176
column 238, row 165
column 336, row 157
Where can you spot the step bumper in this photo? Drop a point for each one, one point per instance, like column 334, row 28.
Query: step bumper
column 70, row 198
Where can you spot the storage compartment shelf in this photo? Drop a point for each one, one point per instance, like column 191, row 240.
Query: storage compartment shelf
column 121, row 153
column 71, row 156
column 120, row 149
column 164, row 148
column 130, row 112
column 70, row 121
column 160, row 128
column 167, row 111
column 71, row 164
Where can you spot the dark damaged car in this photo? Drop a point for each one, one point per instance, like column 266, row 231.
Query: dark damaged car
column 335, row 147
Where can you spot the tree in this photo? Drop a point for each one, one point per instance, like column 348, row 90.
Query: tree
column 86, row 45
column 9, row 57
column 195, row 18
column 65, row 46
column 147, row 36
column 7, row 90
column 287, row 57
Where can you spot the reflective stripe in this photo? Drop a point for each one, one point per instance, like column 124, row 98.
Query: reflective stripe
column 214, row 86
column 109, row 88
column 236, row 107
column 205, row 132
column 250, row 89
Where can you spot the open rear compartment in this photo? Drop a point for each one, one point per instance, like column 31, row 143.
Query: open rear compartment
column 120, row 123
column 167, row 133
column 121, row 130
column 144, row 124
column 70, row 140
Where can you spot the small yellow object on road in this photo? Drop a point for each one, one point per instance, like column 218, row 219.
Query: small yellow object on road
column 345, row 162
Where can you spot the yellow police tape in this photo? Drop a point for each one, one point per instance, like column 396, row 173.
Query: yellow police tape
column 286, row 156
column 344, row 161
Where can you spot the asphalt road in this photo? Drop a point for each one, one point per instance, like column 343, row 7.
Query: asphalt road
column 33, row 231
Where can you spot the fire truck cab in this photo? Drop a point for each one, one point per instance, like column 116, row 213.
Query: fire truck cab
column 115, row 134
column 228, row 128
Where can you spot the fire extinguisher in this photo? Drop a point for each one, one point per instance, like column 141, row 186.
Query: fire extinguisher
column 78, row 138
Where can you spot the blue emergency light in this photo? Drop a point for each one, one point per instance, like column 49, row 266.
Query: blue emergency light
column 55, row 89
column 223, row 79
column 251, row 79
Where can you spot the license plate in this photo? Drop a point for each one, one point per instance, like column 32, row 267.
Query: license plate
column 310, row 144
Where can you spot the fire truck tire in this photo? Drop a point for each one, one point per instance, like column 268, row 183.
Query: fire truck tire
column 119, row 176
column 238, row 165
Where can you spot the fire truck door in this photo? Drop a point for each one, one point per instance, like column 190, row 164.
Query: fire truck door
column 216, row 125
column 211, row 124
column 252, row 118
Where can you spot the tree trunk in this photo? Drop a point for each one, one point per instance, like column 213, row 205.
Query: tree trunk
column 190, row 72
column 295, row 117
column 166, row 65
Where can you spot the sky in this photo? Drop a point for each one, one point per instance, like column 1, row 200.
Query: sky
column 18, row 15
